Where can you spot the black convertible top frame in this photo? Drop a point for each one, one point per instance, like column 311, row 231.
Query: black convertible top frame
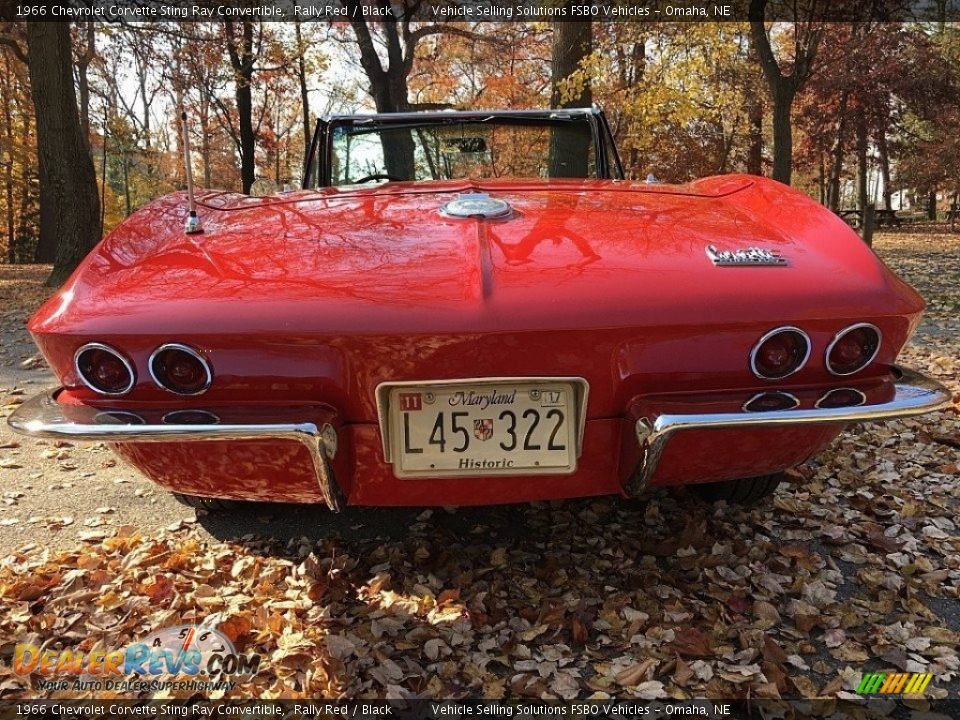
column 318, row 170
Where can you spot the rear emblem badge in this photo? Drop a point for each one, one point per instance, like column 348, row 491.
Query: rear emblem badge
column 751, row 256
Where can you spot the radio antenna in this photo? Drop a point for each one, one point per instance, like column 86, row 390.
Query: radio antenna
column 191, row 225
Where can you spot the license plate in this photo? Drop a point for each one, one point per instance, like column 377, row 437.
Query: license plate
column 483, row 427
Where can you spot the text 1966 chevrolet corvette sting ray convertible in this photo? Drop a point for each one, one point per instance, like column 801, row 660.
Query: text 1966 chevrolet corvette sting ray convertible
column 475, row 307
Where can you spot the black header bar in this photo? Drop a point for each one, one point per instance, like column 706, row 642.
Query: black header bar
column 929, row 11
column 593, row 709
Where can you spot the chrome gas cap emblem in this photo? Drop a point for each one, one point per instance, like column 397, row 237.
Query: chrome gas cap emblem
column 476, row 205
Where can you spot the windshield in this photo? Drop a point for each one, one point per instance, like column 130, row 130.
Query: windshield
column 495, row 147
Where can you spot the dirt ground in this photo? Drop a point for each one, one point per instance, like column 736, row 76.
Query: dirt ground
column 853, row 567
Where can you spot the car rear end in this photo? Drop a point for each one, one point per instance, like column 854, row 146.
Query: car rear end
column 599, row 338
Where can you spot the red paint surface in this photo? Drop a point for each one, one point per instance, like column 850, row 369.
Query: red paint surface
column 315, row 298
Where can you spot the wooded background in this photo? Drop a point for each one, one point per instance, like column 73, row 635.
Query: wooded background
column 852, row 113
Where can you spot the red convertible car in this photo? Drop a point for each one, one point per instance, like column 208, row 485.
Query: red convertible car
column 475, row 307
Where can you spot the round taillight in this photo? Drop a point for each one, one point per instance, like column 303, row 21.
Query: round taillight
column 840, row 398
column 765, row 402
column 190, row 417
column 853, row 349
column 180, row 369
column 103, row 369
column 780, row 353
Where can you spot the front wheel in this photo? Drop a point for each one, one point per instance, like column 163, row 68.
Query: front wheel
column 744, row 491
column 211, row 505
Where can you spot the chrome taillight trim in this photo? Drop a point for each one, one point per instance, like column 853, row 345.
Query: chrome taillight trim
column 820, row 400
column 839, row 335
column 914, row 394
column 117, row 354
column 790, row 396
column 767, row 336
column 171, row 419
column 190, row 351
column 110, row 417
column 42, row 416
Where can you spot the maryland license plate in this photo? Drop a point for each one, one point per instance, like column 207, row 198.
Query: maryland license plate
column 484, row 427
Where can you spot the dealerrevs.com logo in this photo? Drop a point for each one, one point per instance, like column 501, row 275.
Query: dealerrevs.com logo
column 894, row 683
column 204, row 655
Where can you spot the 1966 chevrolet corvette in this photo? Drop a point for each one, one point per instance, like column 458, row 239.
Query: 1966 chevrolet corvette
column 475, row 307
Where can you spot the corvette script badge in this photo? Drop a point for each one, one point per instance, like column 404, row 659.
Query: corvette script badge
column 751, row 256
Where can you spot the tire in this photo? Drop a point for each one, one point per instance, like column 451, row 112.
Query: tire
column 211, row 505
column 745, row 491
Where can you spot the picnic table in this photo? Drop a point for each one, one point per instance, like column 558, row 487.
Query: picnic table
column 851, row 216
column 887, row 217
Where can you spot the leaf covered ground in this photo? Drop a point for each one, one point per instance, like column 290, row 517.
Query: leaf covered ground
column 853, row 567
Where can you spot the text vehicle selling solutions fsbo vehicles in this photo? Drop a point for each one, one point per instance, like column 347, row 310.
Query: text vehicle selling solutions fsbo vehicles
column 475, row 307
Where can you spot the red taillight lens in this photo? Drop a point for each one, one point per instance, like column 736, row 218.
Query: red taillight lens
column 853, row 349
column 180, row 370
column 190, row 417
column 780, row 353
column 765, row 402
column 104, row 370
column 841, row 397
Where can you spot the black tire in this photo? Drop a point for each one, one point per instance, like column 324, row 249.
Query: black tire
column 211, row 505
column 745, row 491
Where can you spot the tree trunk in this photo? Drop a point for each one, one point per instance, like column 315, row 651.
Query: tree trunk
column 862, row 194
column 276, row 151
column 932, row 205
column 205, row 153
column 28, row 226
column 248, row 140
column 146, row 107
column 869, row 222
column 83, row 82
column 398, row 147
column 884, row 153
column 836, row 168
column 304, row 96
column 570, row 148
column 242, row 61
column 103, row 181
column 754, row 121
column 783, row 88
column 755, row 149
column 69, row 204
column 782, row 132
column 8, row 162
column 388, row 86
column 822, row 181
column 572, row 42
column 126, row 182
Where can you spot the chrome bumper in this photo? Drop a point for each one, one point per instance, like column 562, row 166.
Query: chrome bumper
column 915, row 394
column 42, row 416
